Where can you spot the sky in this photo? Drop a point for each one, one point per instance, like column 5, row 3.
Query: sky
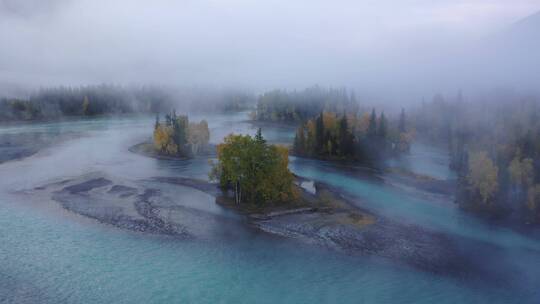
column 371, row 45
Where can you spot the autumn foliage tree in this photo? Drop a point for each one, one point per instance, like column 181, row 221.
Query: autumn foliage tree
column 255, row 171
column 483, row 176
column 178, row 137
column 350, row 136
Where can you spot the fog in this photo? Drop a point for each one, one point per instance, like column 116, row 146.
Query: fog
column 380, row 48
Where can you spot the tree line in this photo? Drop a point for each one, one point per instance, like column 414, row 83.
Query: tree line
column 363, row 137
column 57, row 102
column 494, row 147
column 298, row 106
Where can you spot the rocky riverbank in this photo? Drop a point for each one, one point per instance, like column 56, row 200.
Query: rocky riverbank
column 329, row 219
column 324, row 218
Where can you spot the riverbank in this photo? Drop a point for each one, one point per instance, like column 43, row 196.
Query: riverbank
column 422, row 182
column 323, row 203
column 325, row 218
column 328, row 220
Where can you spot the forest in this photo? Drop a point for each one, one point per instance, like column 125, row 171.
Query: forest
column 363, row 137
column 93, row 100
column 494, row 148
column 298, row 106
column 332, row 125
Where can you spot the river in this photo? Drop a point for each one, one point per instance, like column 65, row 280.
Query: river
column 49, row 255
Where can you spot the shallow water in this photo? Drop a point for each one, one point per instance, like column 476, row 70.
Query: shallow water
column 48, row 255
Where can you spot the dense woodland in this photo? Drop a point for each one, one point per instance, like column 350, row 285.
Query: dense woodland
column 54, row 103
column 179, row 137
column 494, row 146
column 363, row 137
column 299, row 106
column 333, row 126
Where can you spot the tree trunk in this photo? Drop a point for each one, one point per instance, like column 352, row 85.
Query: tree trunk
column 236, row 193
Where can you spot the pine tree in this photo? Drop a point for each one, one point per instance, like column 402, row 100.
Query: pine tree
column 259, row 138
column 156, row 125
column 402, row 122
column 180, row 126
column 319, row 134
column 372, row 127
column 300, row 141
column 382, row 130
column 353, row 105
column 346, row 139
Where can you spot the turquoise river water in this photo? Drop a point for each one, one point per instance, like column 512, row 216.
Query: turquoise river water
column 48, row 255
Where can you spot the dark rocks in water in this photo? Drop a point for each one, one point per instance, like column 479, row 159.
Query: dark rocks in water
column 122, row 206
column 141, row 208
column 88, row 185
column 425, row 250
column 345, row 227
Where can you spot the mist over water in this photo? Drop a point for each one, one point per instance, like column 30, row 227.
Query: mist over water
column 50, row 256
column 82, row 83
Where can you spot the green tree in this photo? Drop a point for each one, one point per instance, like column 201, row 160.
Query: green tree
column 319, row 134
column 300, row 141
column 258, row 136
column 382, row 130
column 483, row 175
column 179, row 137
column 346, row 139
column 255, row 171
column 402, row 122
column 372, row 126
column 180, row 129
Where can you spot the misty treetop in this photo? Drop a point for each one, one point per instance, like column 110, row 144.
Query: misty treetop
column 178, row 137
column 366, row 137
column 52, row 103
column 494, row 146
column 297, row 106
column 254, row 170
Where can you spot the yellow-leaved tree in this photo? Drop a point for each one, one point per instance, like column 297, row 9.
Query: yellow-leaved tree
column 255, row 171
column 163, row 140
column 198, row 136
column 521, row 171
column 483, row 175
column 179, row 137
column 85, row 106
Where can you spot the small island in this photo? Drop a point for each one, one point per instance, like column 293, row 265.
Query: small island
column 332, row 126
column 176, row 137
column 256, row 172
